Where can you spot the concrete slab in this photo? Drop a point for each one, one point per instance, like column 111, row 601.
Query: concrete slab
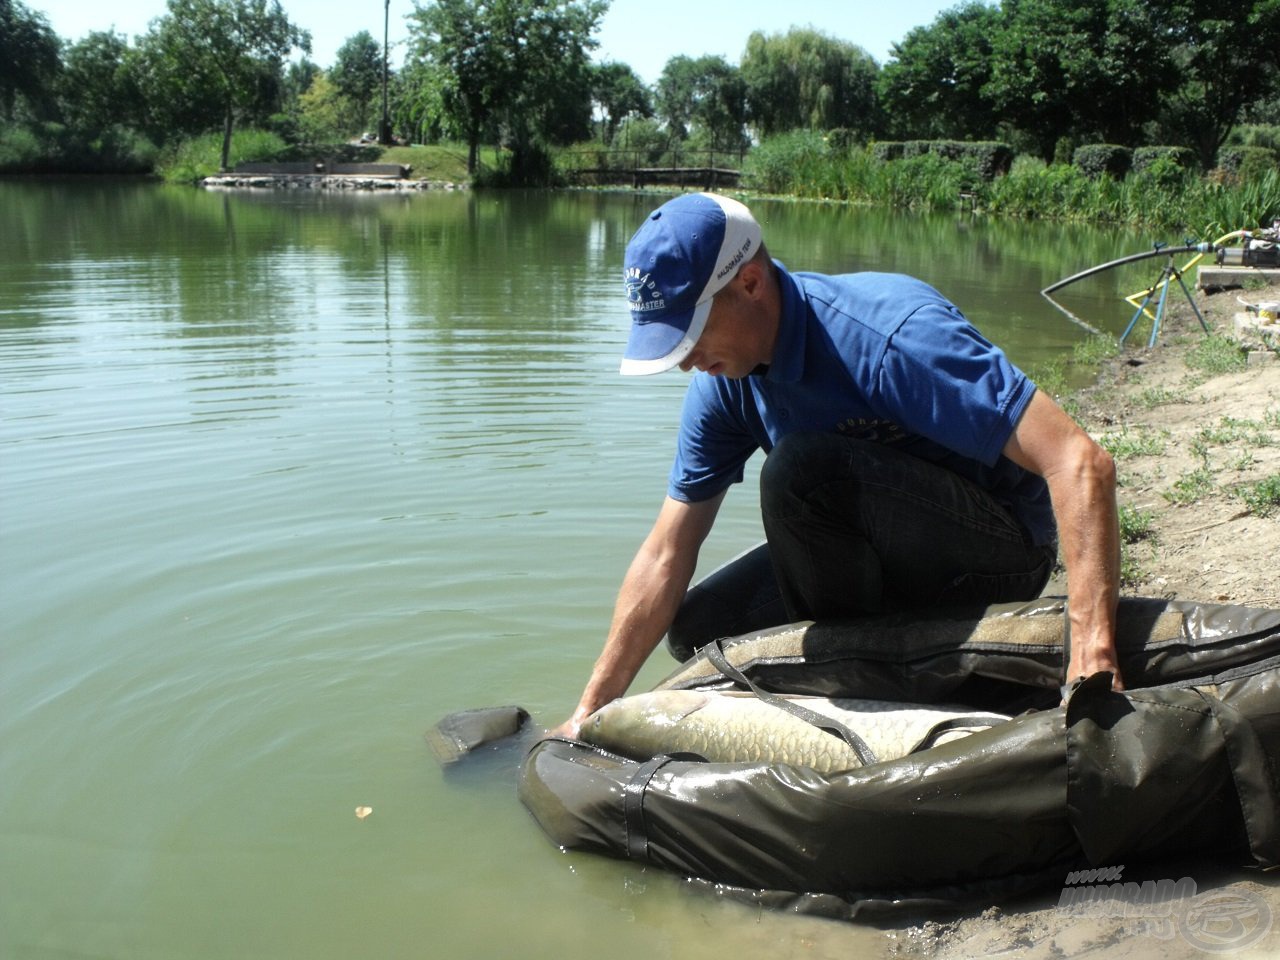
column 1215, row 277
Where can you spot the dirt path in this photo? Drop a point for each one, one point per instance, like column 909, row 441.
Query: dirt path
column 1198, row 454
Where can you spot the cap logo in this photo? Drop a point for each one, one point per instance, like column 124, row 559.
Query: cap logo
column 734, row 261
column 638, row 287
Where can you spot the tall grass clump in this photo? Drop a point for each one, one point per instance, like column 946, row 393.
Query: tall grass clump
column 800, row 163
column 190, row 161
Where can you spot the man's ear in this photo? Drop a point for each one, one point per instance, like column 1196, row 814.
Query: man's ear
column 751, row 276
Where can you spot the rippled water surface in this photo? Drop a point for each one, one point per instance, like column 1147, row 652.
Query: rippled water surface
column 284, row 479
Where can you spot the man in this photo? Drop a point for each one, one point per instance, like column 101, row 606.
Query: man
column 909, row 464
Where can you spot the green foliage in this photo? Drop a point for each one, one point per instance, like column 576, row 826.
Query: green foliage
column 1136, row 525
column 788, row 163
column 1191, row 487
column 1095, row 69
column 190, row 161
column 1124, row 445
column 1219, row 54
column 934, row 85
column 804, row 79
column 618, row 94
column 357, row 76
column 1097, row 159
column 1262, row 497
column 704, row 95
column 1217, row 354
column 57, row 148
column 518, row 67
column 1255, row 135
column 1161, row 159
column 1247, row 164
column 206, row 60
column 29, row 61
column 988, row 158
column 324, row 113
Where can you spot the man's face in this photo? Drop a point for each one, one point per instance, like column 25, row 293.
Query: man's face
column 731, row 344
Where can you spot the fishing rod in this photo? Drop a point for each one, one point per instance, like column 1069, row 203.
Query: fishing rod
column 1160, row 251
column 1169, row 274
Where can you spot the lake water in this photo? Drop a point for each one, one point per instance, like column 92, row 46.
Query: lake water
column 285, row 478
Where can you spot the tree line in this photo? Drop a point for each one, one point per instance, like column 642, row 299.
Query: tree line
column 1042, row 75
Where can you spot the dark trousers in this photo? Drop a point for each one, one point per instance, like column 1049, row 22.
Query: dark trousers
column 855, row 528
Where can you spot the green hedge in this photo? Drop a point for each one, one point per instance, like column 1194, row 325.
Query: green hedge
column 990, row 158
column 1099, row 159
column 1247, row 163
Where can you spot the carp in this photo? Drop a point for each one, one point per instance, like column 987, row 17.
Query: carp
column 737, row 727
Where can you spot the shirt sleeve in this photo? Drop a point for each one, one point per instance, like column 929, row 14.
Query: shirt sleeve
column 941, row 379
column 713, row 444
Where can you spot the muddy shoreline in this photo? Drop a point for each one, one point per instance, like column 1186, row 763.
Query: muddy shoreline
column 1191, row 446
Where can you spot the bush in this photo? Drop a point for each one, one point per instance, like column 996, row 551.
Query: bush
column 1146, row 157
column 1097, row 159
column 785, row 163
column 887, row 150
column 988, row 158
column 1246, row 164
column 56, row 148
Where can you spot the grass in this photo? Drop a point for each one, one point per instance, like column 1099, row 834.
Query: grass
column 1139, row 443
column 1217, row 354
column 1192, row 487
column 1262, row 498
column 1136, row 525
column 444, row 161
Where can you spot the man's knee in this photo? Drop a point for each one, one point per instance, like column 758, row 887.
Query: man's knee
column 794, row 465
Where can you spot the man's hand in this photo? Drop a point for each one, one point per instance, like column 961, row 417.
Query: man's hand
column 571, row 728
column 1086, row 661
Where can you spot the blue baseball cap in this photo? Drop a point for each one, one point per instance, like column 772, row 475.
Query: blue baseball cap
column 684, row 254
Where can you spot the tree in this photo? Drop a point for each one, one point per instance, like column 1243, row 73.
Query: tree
column 98, row 89
column 219, row 55
column 618, row 93
column 357, row 74
column 1225, row 60
column 520, row 65
column 705, row 95
column 1092, row 68
column 806, row 79
column 30, row 58
column 933, row 85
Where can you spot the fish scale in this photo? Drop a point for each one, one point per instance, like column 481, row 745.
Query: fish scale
column 731, row 727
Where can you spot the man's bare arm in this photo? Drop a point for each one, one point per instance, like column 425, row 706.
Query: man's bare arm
column 1082, row 485
column 650, row 595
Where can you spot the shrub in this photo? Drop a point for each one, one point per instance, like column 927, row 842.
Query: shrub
column 1247, row 164
column 1096, row 159
column 785, row 163
column 988, row 158
column 1145, row 158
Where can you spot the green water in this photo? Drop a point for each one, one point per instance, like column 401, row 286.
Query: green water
column 284, row 478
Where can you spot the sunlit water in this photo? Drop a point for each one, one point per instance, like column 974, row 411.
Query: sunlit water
column 286, row 478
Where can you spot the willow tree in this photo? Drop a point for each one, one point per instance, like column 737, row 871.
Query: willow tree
column 804, row 79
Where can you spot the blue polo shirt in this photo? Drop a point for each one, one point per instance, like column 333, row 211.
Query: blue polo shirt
column 875, row 356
